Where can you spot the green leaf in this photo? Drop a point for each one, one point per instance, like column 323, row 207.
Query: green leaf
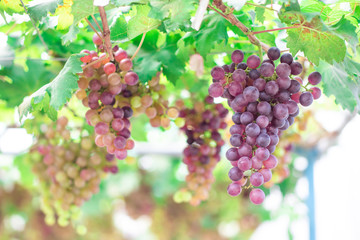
column 139, row 123
column 213, row 30
column 70, row 35
column 316, row 41
column 141, row 23
column 178, row 12
column 120, row 3
column 147, row 67
column 348, row 31
column 24, row 166
column 343, row 81
column 52, row 96
column 260, row 14
column 23, row 82
column 118, row 29
column 39, row 9
column 153, row 59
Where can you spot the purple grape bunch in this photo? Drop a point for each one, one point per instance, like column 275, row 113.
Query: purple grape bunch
column 264, row 98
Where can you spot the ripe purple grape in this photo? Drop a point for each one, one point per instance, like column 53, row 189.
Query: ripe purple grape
column 266, row 174
column 251, row 93
column 237, row 56
column 242, row 66
column 252, row 130
column 253, row 61
column 254, row 74
column 286, row 58
column 246, row 118
column 296, row 68
column 314, row 78
column 280, row 111
column 271, row 162
column 316, row 92
column 256, row 179
column 263, row 140
column 283, row 70
column 235, row 174
column 306, row 99
column 294, row 86
column 267, row 69
column 244, row 163
column 273, row 53
column 259, row 84
column 234, row 189
column 257, row 196
column 239, row 75
column 217, row 73
column 262, row 153
column 232, row 154
column 284, row 83
column 264, row 108
column 216, row 90
column 271, row 88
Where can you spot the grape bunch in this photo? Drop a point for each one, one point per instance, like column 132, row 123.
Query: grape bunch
column 264, row 98
column 151, row 99
column 100, row 83
column 69, row 171
column 202, row 125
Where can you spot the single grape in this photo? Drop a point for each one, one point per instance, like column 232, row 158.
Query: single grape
column 244, row 163
column 251, row 94
column 284, row 83
column 236, row 118
column 264, row 108
column 106, row 98
column 253, row 61
column 237, row 129
column 235, row 174
column 109, row 68
column 262, row 121
column 271, row 88
column 235, row 140
column 286, row 58
column 262, row 153
column 274, row 139
column 239, row 75
column 245, row 150
column 217, row 73
column 283, row 70
column 232, row 154
column 237, row 56
column 296, row 68
column 94, row 85
column 255, row 163
column 267, row 69
column 251, row 107
column 292, row 106
column 280, row 111
column 271, row 162
column 314, row 78
column 235, row 88
column 294, row 86
column 306, row 99
column 125, row 64
column 96, row 39
column 273, row 53
column 259, row 84
column 257, row 196
column 242, row 66
column 246, row 118
column 283, row 96
column 266, row 174
column 316, row 92
column 128, row 112
column 216, row 90
column 252, row 130
column 234, row 189
column 101, row 128
column 256, row 179
column 263, row 140
column 254, row 74
column 131, row 78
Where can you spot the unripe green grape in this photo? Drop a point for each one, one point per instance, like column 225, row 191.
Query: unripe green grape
column 135, row 102
column 179, row 122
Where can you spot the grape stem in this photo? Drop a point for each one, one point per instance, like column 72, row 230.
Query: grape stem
column 275, row 29
column 226, row 13
column 96, row 22
column 96, row 61
column 93, row 28
column 106, row 32
column 34, row 25
column 140, row 44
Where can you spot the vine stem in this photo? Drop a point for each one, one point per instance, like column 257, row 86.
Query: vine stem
column 140, row 44
column 96, row 61
column 275, row 29
column 33, row 23
column 96, row 22
column 93, row 28
column 233, row 20
column 106, row 32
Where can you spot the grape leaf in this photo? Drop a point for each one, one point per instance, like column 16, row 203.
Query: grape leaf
column 348, row 31
column 23, row 83
column 316, row 41
column 343, row 81
column 154, row 58
column 119, row 3
column 141, row 23
column 52, row 96
column 39, row 9
column 213, row 30
column 260, row 14
column 178, row 12
column 118, row 29
column 146, row 67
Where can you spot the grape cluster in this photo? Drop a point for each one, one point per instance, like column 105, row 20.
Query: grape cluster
column 100, row 83
column 151, row 99
column 69, row 172
column 202, row 125
column 264, row 98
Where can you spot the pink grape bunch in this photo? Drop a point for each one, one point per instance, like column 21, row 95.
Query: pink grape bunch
column 69, row 171
column 264, row 98
column 202, row 128
column 99, row 84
